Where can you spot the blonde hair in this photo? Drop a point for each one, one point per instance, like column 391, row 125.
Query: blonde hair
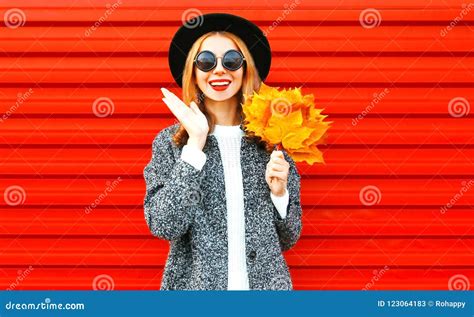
column 250, row 82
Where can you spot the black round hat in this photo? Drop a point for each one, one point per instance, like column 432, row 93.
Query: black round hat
column 192, row 29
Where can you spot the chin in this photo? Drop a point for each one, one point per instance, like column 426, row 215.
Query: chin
column 217, row 96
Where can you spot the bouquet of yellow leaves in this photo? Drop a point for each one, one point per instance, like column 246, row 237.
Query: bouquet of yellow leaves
column 289, row 119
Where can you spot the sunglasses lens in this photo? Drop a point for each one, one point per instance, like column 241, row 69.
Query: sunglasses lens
column 232, row 60
column 205, row 61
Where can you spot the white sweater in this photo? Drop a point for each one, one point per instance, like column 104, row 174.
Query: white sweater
column 229, row 140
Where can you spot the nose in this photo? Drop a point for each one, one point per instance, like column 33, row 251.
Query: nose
column 219, row 69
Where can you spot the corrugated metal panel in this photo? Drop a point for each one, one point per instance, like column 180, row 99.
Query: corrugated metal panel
column 406, row 147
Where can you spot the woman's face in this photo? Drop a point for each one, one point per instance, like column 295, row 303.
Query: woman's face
column 219, row 44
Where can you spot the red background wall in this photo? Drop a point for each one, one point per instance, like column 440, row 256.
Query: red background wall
column 63, row 156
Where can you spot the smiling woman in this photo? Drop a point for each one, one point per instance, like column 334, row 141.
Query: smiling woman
column 210, row 81
column 200, row 82
column 227, row 205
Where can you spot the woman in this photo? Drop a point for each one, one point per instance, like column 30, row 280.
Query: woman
column 228, row 205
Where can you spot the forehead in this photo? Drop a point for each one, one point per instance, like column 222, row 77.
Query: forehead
column 218, row 44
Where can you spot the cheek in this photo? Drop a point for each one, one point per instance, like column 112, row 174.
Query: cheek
column 240, row 74
column 238, row 77
column 201, row 79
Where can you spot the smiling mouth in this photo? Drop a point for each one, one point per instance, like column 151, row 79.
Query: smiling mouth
column 219, row 85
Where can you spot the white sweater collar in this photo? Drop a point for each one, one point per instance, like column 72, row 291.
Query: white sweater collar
column 227, row 130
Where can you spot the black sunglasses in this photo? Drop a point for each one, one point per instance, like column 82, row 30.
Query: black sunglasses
column 207, row 60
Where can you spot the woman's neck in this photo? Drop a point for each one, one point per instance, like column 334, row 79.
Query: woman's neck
column 224, row 111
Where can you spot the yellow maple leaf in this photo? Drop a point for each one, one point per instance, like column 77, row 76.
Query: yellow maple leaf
column 289, row 119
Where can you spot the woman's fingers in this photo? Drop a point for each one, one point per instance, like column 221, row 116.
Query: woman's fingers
column 278, row 157
column 191, row 117
column 168, row 94
column 195, row 107
column 168, row 104
column 280, row 175
column 176, row 112
column 279, row 161
column 172, row 97
column 277, row 168
column 174, row 103
column 277, row 154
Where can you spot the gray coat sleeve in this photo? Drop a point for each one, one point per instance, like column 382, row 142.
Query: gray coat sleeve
column 172, row 186
column 289, row 228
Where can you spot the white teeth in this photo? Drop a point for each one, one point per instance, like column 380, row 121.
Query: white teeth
column 220, row 83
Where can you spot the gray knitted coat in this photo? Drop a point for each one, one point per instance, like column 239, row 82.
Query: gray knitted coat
column 187, row 207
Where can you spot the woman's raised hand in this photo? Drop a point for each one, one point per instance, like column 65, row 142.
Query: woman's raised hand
column 192, row 119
